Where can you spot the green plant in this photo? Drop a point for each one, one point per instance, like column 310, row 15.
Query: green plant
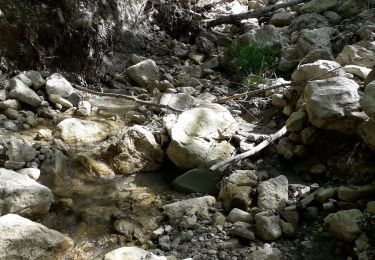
column 254, row 61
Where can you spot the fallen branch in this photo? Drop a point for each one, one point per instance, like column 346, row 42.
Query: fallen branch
column 253, row 151
column 131, row 98
column 235, row 18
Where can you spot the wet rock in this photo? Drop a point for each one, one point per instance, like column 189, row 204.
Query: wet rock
column 296, row 121
column 20, row 151
column 267, row 253
column 236, row 191
column 343, row 224
column 132, row 253
column 98, row 215
column 36, row 79
column 74, row 130
column 334, row 104
column 268, row 226
column 54, row 165
column 143, row 72
column 180, row 101
column 199, row 136
column 125, row 228
column 22, row 195
column 273, row 193
column 56, row 84
column 23, row 93
column 23, row 239
column 135, row 151
column 237, row 215
column 361, row 54
column 317, row 6
column 195, row 206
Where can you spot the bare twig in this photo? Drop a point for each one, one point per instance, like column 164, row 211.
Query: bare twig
column 131, row 98
column 232, row 19
column 253, row 151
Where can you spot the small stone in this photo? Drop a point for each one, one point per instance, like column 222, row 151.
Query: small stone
column 242, row 230
column 296, row 121
column 165, row 243
column 218, row 218
column 239, row 215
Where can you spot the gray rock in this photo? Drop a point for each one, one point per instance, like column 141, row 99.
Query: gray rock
column 24, row 79
column 314, row 39
column 10, row 103
column 287, row 228
column 268, row 253
column 144, row 72
column 84, row 108
column 366, row 132
column 23, row 93
column 237, row 215
column 361, row 54
column 308, row 21
column 308, row 135
column 23, row 239
column 58, row 85
column 351, row 8
column 180, row 101
column 74, row 130
column 273, row 193
column 268, row 226
column 22, row 195
column 20, row 151
column 55, row 165
column 317, row 6
column 36, row 79
column 30, row 172
column 132, row 253
column 204, row 45
column 242, row 230
column 343, row 224
column 13, row 165
column 320, row 69
column 56, row 99
column 368, row 100
column 281, row 19
column 296, row 121
column 354, row 193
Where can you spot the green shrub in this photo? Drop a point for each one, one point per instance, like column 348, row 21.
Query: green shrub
column 253, row 62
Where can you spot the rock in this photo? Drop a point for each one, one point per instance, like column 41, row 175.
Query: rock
column 368, row 100
column 23, row 93
column 308, row 135
column 370, row 208
column 125, row 228
column 20, row 151
column 22, row 195
column 308, row 21
column 135, row 151
column 84, row 108
column 208, row 181
column 36, row 79
column 281, row 19
column 332, row 17
column 318, row 169
column 54, row 165
column 236, row 215
column 10, row 103
column 178, row 101
column 195, row 206
column 315, row 39
column 273, row 193
column 351, row 8
column 13, row 165
column 343, row 224
column 59, row 100
column 268, row 226
column 325, row 194
column 370, row 78
column 199, row 136
column 318, row 54
column 267, row 35
column 320, row 69
column 317, row 6
column 204, row 45
column 242, row 230
column 56, row 84
column 359, row 71
column 88, row 168
column 143, row 72
column 268, row 253
column 23, row 239
column 287, row 228
column 296, row 121
column 74, row 130
column 285, row 148
column 354, row 193
column 132, row 253
column 236, row 191
column 30, row 172
column 334, row 104
column 366, row 132
column 360, row 54
column 290, row 56
column 12, row 114
column 24, row 79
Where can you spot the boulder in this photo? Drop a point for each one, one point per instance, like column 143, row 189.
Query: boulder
column 281, row 19
column 320, row 69
column 317, row 6
column 58, row 85
column 74, row 130
column 359, row 71
column 20, row 91
column 344, row 224
column 22, row 195
column 351, row 8
column 132, row 253
column 367, row 133
column 368, row 100
column 268, row 226
column 334, row 104
column 56, row 99
column 236, row 215
column 315, row 39
column 20, row 151
column 84, row 108
column 144, row 72
column 36, row 79
column 360, row 53
column 23, row 239
column 136, row 150
column 200, row 135
column 370, row 77
column 308, row 21
column 10, row 103
column 273, row 193
column 296, row 121
column 180, row 101
column 354, row 193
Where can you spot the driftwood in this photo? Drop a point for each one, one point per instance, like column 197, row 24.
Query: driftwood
column 131, row 98
column 235, row 18
column 251, row 152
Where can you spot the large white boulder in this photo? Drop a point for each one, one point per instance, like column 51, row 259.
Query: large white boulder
column 23, row 239
column 22, row 195
column 200, row 135
column 334, row 104
column 74, row 130
column 58, row 85
column 136, row 150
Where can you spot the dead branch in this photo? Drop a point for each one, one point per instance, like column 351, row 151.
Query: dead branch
column 253, row 151
column 131, row 98
column 235, row 18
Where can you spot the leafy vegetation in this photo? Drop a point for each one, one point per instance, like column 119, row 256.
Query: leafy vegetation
column 253, row 62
